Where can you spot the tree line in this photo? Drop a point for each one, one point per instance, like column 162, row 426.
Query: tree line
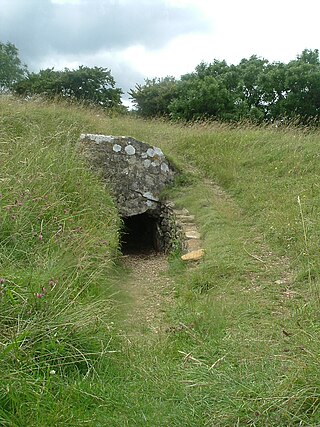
column 94, row 85
column 255, row 89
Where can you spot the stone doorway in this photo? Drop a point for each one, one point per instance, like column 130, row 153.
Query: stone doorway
column 140, row 234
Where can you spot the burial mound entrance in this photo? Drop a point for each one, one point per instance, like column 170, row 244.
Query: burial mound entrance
column 136, row 174
column 140, row 234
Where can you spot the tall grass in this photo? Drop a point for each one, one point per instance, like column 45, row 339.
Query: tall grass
column 251, row 357
column 242, row 348
column 59, row 236
column 261, row 272
column 254, row 299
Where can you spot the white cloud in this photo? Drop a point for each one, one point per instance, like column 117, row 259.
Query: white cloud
column 277, row 29
column 179, row 56
column 137, row 39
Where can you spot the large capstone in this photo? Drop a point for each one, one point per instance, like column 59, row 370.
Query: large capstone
column 136, row 172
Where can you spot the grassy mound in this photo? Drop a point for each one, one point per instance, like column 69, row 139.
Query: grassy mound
column 252, row 354
column 242, row 346
column 255, row 298
column 58, row 239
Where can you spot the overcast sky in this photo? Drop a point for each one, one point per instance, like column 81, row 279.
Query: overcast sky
column 137, row 39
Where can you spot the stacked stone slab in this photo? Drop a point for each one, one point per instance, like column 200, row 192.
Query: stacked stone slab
column 191, row 243
column 170, row 232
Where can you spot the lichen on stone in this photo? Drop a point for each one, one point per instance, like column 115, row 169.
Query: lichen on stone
column 136, row 172
column 130, row 150
column 117, row 148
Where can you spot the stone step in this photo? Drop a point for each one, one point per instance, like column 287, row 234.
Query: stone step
column 185, row 225
column 179, row 212
column 192, row 245
column 185, row 218
column 193, row 256
column 192, row 234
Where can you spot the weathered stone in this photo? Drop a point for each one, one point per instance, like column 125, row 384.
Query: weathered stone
column 191, row 245
column 193, row 256
column 186, row 218
column 136, row 172
column 192, row 234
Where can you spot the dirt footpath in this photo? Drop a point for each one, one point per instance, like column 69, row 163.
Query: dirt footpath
column 150, row 291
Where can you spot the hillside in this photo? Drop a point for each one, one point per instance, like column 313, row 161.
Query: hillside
column 232, row 340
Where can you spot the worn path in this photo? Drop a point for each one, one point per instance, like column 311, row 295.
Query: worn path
column 149, row 289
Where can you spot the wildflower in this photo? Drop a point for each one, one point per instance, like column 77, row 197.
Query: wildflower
column 39, row 295
column 2, row 280
column 44, row 291
column 52, row 372
column 40, row 237
column 52, row 283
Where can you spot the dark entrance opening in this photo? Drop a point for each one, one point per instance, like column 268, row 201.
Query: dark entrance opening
column 140, row 234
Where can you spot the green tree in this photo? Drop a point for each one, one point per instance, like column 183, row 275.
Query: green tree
column 94, row 85
column 201, row 98
column 302, row 99
column 274, row 90
column 250, row 93
column 254, row 89
column 11, row 68
column 207, row 92
column 154, row 97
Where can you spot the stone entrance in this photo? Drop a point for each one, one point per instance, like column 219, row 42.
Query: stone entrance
column 136, row 173
column 154, row 230
column 139, row 234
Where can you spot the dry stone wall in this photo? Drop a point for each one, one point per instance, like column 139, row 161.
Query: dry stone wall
column 169, row 236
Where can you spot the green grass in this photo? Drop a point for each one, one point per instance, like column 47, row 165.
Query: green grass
column 58, row 241
column 260, row 276
column 249, row 355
